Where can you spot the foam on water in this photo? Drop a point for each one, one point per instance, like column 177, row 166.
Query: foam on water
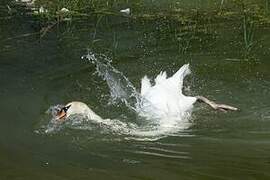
column 157, row 122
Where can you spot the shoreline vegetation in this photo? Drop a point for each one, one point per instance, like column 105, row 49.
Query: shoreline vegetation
column 227, row 10
column 249, row 14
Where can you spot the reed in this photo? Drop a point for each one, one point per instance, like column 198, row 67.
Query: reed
column 248, row 32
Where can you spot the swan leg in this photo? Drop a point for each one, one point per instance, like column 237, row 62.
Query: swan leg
column 221, row 107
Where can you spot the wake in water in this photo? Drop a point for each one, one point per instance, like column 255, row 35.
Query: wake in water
column 162, row 106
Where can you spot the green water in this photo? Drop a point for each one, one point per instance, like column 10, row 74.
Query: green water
column 37, row 73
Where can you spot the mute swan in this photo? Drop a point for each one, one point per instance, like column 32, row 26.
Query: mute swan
column 76, row 107
column 164, row 98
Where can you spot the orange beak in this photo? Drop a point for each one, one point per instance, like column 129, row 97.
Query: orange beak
column 61, row 115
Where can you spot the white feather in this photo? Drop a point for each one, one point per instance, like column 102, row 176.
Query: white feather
column 165, row 98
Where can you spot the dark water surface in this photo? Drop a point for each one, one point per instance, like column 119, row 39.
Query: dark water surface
column 37, row 73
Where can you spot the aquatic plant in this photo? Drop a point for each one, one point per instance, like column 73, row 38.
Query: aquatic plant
column 188, row 29
column 248, row 33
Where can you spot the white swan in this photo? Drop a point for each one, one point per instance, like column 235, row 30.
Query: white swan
column 76, row 108
column 163, row 99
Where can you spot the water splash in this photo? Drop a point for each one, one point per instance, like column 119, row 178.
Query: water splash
column 150, row 131
column 52, row 125
column 153, row 126
column 121, row 89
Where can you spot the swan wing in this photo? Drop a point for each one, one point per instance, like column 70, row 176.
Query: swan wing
column 178, row 78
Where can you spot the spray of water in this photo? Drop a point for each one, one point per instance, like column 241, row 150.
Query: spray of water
column 121, row 89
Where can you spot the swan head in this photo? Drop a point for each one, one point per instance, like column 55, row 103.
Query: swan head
column 61, row 113
column 74, row 107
